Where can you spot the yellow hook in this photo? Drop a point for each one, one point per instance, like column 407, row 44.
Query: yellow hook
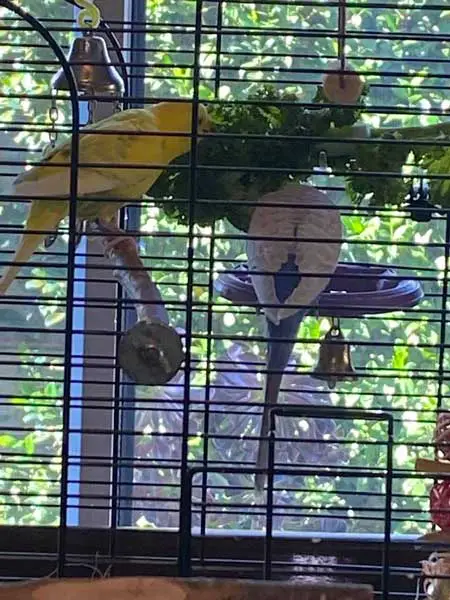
column 90, row 15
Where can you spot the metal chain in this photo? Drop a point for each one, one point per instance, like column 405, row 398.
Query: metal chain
column 53, row 115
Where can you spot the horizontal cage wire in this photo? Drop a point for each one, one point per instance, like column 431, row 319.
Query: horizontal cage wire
column 251, row 213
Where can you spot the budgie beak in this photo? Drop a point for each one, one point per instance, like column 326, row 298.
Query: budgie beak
column 279, row 349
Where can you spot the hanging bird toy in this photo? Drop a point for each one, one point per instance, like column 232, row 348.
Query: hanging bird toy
column 335, row 363
column 342, row 85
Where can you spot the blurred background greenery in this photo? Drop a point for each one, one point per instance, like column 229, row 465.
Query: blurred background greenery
column 401, row 375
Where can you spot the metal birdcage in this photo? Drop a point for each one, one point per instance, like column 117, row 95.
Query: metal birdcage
column 142, row 351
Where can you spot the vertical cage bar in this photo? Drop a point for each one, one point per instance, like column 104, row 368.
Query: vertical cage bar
column 97, row 460
column 74, row 148
column 443, row 317
column 185, row 536
column 388, row 510
column 130, row 220
column 218, row 72
column 190, row 258
column 206, row 414
column 267, row 568
column 119, row 414
column 442, row 332
column 71, row 252
column 209, row 325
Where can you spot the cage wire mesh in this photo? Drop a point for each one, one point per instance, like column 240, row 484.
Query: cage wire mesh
column 96, row 469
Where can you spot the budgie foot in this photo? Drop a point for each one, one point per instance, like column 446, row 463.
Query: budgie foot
column 50, row 240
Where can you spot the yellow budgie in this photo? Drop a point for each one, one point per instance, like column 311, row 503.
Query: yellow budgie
column 124, row 147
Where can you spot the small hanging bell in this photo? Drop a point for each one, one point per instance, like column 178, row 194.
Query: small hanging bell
column 91, row 65
column 335, row 362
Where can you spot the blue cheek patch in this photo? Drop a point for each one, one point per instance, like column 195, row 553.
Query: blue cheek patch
column 287, row 279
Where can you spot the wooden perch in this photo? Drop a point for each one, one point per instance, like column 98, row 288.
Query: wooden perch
column 162, row 588
column 427, row 465
column 151, row 351
column 435, row 537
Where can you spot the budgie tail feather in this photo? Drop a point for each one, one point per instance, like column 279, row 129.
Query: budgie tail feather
column 287, row 279
column 37, row 221
column 279, row 352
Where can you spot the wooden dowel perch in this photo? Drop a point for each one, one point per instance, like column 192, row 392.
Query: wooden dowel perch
column 151, row 351
column 427, row 465
column 165, row 588
column 435, row 537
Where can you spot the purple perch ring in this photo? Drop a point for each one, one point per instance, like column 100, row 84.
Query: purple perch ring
column 354, row 290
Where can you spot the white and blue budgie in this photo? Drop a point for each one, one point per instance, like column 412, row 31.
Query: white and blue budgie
column 288, row 275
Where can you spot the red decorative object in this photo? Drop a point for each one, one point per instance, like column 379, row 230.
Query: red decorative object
column 440, row 504
column 442, row 436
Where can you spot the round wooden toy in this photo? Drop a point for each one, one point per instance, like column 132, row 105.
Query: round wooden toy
column 342, row 86
column 150, row 352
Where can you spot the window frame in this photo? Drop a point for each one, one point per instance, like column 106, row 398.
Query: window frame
column 97, row 482
column 32, row 552
column 96, row 531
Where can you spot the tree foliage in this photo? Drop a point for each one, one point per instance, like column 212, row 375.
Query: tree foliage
column 399, row 375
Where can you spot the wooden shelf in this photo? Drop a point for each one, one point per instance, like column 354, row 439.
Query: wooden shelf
column 428, row 465
column 165, row 588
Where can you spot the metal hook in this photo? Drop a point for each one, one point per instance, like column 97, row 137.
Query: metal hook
column 89, row 15
column 335, row 323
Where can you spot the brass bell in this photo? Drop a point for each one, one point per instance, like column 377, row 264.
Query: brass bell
column 92, row 69
column 335, row 362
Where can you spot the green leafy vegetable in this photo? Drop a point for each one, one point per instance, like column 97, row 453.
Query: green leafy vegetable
column 270, row 139
column 233, row 169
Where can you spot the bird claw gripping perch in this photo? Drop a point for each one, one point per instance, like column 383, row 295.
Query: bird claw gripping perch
column 151, row 351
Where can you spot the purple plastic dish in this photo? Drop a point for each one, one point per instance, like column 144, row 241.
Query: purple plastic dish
column 354, row 290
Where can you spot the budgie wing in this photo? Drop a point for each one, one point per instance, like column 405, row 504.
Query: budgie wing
column 298, row 270
column 121, row 148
